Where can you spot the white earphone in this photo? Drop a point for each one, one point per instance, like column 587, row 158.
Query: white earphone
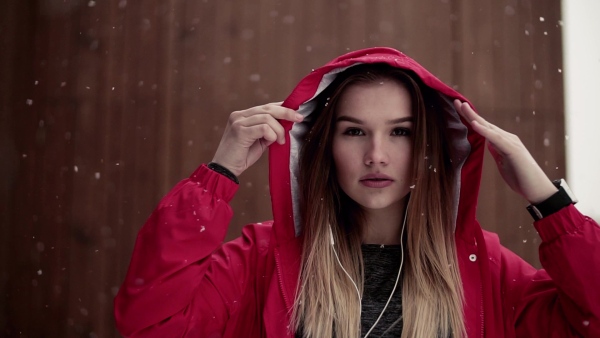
column 356, row 287
column 341, row 266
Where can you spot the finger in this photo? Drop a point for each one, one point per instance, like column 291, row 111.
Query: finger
column 465, row 110
column 277, row 111
column 490, row 131
column 260, row 131
column 502, row 141
column 457, row 103
column 487, row 131
column 268, row 120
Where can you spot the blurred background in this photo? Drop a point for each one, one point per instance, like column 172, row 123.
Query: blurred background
column 105, row 105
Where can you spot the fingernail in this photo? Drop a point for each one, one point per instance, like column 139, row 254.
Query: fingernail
column 299, row 117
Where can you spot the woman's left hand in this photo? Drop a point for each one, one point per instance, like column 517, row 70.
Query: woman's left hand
column 516, row 165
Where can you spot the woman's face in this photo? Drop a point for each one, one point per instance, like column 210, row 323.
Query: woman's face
column 372, row 143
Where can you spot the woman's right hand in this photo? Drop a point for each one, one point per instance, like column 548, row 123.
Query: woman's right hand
column 248, row 134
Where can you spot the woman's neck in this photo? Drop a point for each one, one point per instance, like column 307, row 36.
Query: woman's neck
column 384, row 226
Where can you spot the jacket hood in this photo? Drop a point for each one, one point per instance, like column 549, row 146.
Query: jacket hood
column 283, row 159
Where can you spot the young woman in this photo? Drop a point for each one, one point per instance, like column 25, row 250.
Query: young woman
column 374, row 174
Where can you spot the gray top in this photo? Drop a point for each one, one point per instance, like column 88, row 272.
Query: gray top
column 381, row 270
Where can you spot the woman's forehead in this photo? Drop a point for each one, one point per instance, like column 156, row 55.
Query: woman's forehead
column 387, row 99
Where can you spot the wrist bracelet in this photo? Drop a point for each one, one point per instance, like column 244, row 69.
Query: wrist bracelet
column 562, row 198
column 216, row 167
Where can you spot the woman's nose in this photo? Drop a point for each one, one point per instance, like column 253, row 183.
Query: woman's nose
column 376, row 153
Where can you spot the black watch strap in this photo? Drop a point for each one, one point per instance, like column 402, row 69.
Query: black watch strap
column 562, row 198
column 223, row 171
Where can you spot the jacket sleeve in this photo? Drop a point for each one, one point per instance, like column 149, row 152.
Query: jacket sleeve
column 563, row 299
column 180, row 279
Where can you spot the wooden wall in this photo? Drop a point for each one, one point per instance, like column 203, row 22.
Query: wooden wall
column 104, row 105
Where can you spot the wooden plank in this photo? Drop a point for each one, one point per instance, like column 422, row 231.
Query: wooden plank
column 423, row 32
column 14, row 78
column 92, row 90
column 19, row 121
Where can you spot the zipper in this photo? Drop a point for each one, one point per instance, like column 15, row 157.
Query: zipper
column 280, row 279
column 482, row 314
column 481, row 305
column 480, row 290
column 282, row 288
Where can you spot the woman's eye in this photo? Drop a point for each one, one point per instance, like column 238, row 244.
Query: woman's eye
column 353, row 132
column 401, row 132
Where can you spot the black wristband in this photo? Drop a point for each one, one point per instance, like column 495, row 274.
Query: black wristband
column 560, row 199
column 216, row 167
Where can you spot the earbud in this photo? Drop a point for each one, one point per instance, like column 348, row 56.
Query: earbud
column 331, row 235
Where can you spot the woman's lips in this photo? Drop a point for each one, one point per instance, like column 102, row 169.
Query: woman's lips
column 376, row 183
column 376, row 180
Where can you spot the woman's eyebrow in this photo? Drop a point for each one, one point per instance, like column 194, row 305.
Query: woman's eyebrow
column 358, row 121
column 400, row 120
column 349, row 119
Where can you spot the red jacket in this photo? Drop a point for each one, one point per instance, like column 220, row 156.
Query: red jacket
column 182, row 281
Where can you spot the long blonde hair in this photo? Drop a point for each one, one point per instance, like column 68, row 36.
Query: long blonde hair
column 326, row 303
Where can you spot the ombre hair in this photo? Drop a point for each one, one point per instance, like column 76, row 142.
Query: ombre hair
column 326, row 303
